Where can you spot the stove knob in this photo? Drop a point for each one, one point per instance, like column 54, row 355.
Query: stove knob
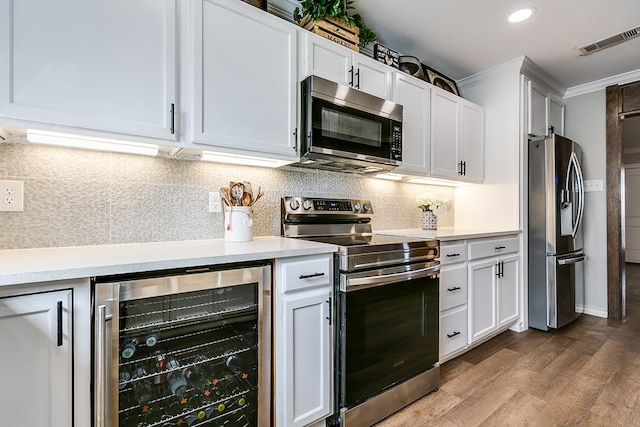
column 306, row 205
column 294, row 205
column 366, row 207
column 356, row 206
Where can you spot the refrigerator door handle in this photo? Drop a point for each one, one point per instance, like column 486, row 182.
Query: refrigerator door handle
column 572, row 260
column 580, row 193
column 579, row 184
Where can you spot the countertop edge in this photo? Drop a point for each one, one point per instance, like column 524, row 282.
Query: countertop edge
column 447, row 233
column 26, row 266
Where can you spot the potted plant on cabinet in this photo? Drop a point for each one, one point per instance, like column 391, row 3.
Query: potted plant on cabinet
column 330, row 19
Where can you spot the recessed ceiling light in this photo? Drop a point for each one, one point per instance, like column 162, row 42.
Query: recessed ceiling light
column 522, row 14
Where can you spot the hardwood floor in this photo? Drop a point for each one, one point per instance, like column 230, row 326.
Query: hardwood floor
column 585, row 374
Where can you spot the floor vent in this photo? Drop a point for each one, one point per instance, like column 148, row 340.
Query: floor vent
column 610, row 41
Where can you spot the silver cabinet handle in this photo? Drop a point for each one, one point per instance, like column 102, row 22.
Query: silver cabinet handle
column 100, row 366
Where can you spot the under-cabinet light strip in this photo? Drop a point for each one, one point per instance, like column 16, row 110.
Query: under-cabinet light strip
column 100, row 144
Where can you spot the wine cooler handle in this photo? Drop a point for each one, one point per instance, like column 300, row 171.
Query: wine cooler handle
column 100, row 366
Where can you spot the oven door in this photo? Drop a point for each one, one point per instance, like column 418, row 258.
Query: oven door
column 388, row 329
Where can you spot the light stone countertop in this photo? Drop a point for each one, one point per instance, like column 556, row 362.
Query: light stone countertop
column 448, row 233
column 22, row 266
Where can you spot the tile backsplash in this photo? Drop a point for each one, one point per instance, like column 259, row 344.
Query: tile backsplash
column 79, row 197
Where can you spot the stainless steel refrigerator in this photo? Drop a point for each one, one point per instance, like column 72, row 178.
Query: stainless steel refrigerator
column 555, row 244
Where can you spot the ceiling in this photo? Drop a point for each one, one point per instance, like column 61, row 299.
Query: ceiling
column 462, row 37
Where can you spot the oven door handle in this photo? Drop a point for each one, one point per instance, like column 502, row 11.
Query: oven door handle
column 359, row 283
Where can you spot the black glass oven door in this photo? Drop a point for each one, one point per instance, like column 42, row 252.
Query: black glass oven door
column 388, row 333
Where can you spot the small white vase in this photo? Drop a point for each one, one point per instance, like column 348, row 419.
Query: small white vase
column 429, row 220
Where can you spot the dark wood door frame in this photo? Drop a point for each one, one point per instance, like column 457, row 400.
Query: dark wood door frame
column 621, row 101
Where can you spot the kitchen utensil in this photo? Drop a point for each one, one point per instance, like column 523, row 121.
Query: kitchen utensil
column 224, row 194
column 237, row 190
column 248, row 188
column 246, row 199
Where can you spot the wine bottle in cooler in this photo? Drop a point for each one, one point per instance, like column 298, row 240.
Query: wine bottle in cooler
column 234, row 363
column 175, row 378
column 196, row 376
column 140, row 385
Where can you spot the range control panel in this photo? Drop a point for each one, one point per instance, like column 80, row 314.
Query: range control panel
column 310, row 205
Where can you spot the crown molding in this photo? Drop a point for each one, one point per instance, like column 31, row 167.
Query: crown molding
column 620, row 79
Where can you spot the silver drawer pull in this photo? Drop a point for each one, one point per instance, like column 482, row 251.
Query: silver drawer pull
column 309, row 276
column 455, row 288
column 452, row 255
column 500, row 247
column 453, row 334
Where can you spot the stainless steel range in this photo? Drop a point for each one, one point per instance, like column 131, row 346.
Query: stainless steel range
column 386, row 305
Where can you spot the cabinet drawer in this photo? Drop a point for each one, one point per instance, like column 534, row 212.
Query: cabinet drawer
column 492, row 247
column 453, row 252
column 453, row 331
column 305, row 272
column 453, row 286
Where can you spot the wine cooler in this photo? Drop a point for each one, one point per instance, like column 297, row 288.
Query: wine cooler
column 183, row 348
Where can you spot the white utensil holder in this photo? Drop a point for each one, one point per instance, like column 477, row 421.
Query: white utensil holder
column 238, row 224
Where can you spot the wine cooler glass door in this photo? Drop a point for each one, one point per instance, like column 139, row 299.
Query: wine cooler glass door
column 189, row 358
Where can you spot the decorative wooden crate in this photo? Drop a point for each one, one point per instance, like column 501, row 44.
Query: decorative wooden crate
column 335, row 30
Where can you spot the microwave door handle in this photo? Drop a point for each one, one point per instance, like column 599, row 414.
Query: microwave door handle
column 100, row 366
column 359, row 283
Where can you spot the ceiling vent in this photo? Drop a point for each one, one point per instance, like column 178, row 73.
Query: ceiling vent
column 610, row 41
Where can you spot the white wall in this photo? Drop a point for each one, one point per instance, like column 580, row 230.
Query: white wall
column 585, row 123
column 495, row 203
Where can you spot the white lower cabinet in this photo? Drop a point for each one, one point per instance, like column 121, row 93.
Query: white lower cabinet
column 36, row 361
column 493, row 285
column 453, row 299
column 303, row 340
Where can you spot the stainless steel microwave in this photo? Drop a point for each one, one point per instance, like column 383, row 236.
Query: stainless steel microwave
column 345, row 129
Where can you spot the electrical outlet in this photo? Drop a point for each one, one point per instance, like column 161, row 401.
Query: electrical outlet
column 215, row 204
column 11, row 196
column 593, row 185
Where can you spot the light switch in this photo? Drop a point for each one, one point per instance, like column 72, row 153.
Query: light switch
column 593, row 185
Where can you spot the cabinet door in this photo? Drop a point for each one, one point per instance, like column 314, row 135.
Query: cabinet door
column 472, row 141
column 556, row 114
column 508, row 297
column 36, row 360
column 444, row 133
column 537, row 109
column 372, row 76
column 101, row 65
column 482, row 299
column 245, row 82
column 414, row 95
column 327, row 59
column 304, row 365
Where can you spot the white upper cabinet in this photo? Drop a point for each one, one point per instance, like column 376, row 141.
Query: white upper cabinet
column 244, row 80
column 556, row 114
column 457, row 137
column 414, row 96
column 100, row 65
column 472, row 141
column 537, row 109
column 545, row 110
column 327, row 59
